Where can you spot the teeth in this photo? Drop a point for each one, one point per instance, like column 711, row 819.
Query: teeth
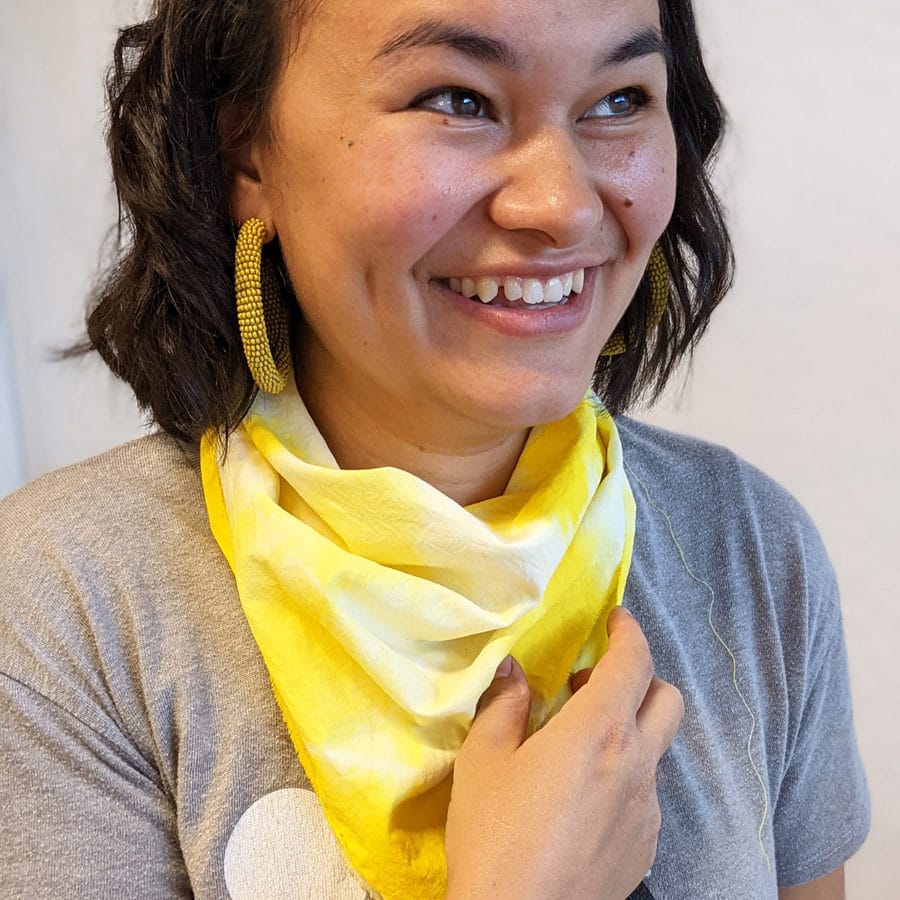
column 512, row 287
column 578, row 281
column 553, row 292
column 487, row 289
column 533, row 291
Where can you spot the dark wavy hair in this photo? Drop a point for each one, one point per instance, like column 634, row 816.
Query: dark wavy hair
column 164, row 319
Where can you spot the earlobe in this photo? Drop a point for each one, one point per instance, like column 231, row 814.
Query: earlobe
column 248, row 197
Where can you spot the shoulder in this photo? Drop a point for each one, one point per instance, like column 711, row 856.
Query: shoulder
column 126, row 659
column 697, row 469
column 99, row 562
column 726, row 508
column 83, row 538
column 739, row 602
column 724, row 550
column 118, row 517
column 151, row 473
column 97, row 529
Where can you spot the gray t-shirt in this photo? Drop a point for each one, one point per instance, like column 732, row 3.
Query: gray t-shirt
column 143, row 755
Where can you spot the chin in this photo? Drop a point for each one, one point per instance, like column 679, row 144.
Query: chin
column 513, row 410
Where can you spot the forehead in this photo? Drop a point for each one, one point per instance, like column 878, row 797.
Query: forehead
column 351, row 27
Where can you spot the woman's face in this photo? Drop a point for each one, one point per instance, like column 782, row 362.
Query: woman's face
column 420, row 143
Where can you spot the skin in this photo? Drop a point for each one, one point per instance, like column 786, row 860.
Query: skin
column 574, row 807
column 828, row 887
column 515, row 796
column 380, row 185
column 376, row 198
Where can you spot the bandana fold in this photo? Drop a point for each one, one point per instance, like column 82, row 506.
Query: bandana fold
column 382, row 609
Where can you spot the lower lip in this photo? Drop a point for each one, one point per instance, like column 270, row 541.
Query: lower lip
column 524, row 322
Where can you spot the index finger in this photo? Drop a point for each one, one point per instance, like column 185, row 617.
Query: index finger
column 624, row 674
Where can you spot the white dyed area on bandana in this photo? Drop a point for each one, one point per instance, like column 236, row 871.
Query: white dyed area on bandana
column 283, row 849
column 381, row 631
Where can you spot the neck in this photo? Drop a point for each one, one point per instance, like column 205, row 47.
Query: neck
column 467, row 469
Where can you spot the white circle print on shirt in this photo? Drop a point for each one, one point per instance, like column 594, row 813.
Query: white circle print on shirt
column 283, row 849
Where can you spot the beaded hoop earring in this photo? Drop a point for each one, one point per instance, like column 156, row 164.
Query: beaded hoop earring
column 262, row 318
column 658, row 272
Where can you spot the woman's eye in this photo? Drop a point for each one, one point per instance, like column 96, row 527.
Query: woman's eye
column 455, row 102
column 619, row 104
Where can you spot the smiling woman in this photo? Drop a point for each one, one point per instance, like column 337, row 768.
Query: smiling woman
column 531, row 188
column 348, row 624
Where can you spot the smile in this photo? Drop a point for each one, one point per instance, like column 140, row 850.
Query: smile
column 517, row 291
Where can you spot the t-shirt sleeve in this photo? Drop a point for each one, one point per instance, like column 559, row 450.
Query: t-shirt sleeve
column 85, row 811
column 81, row 816
column 821, row 813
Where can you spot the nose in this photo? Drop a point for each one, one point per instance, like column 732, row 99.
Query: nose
column 548, row 187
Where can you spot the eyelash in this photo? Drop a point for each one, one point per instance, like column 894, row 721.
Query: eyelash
column 456, row 93
column 637, row 96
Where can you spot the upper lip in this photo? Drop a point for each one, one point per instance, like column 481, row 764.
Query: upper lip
column 541, row 271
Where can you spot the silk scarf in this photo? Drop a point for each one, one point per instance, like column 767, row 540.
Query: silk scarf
column 382, row 608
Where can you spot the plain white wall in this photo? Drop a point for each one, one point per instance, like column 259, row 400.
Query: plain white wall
column 795, row 373
column 56, row 207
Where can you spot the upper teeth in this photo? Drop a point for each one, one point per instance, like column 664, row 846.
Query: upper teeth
column 531, row 290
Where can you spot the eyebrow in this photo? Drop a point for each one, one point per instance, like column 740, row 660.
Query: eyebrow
column 493, row 51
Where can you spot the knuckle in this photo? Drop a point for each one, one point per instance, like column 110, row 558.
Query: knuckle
column 616, row 738
column 669, row 699
column 518, row 693
column 513, row 694
column 512, row 702
column 622, row 750
column 675, row 702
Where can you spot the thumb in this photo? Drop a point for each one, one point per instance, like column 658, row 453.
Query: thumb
column 501, row 720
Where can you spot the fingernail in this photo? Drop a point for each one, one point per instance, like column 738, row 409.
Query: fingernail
column 505, row 668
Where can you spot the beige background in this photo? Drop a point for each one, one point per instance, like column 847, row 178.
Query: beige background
column 796, row 373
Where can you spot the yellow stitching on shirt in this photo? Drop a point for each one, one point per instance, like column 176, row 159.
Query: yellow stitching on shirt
column 709, row 619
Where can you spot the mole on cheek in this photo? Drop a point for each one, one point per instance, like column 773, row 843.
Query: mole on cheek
column 629, row 202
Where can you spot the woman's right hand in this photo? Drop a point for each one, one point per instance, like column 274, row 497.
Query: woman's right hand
column 572, row 811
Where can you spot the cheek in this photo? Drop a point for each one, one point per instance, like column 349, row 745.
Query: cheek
column 398, row 202
column 641, row 180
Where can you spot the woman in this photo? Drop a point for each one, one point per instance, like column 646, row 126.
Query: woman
column 312, row 585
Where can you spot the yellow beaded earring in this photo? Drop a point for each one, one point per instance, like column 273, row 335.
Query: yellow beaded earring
column 262, row 318
column 658, row 272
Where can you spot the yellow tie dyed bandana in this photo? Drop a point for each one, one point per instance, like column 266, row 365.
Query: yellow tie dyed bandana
column 382, row 608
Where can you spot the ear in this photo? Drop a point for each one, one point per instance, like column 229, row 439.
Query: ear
column 248, row 197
